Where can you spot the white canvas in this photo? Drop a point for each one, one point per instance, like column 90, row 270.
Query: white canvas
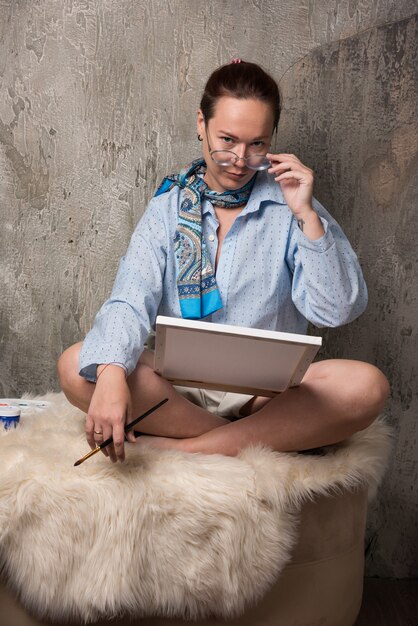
column 230, row 358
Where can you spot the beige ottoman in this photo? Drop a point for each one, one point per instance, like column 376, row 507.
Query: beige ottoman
column 322, row 585
column 274, row 539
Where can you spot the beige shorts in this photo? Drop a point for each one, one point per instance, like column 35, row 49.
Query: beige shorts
column 222, row 403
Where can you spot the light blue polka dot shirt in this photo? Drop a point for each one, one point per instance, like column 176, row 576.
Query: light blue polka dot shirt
column 270, row 276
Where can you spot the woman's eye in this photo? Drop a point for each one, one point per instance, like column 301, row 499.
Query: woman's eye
column 258, row 144
column 227, row 139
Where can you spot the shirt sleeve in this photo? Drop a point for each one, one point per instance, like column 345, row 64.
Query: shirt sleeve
column 126, row 318
column 328, row 287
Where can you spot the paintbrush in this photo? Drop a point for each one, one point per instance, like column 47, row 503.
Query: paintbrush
column 108, row 441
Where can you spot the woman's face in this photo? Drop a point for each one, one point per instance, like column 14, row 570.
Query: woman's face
column 242, row 126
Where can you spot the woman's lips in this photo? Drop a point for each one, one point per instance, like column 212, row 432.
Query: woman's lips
column 236, row 175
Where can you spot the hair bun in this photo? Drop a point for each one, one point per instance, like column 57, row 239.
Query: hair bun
column 237, row 60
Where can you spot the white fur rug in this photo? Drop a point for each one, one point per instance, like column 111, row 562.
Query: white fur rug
column 164, row 533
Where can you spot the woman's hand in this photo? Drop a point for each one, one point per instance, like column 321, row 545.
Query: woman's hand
column 296, row 182
column 109, row 411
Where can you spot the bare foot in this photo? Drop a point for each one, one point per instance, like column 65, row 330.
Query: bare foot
column 163, row 443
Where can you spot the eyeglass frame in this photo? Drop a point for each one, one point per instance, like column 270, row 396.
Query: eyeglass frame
column 238, row 158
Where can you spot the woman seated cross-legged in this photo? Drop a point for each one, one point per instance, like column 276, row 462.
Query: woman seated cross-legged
column 236, row 237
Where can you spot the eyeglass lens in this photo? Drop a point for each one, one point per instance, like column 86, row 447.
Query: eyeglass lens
column 253, row 162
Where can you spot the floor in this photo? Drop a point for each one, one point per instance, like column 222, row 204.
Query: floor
column 389, row 602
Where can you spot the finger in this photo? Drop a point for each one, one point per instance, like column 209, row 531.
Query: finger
column 89, row 431
column 118, row 441
column 287, row 175
column 109, row 450
column 131, row 436
column 282, row 156
column 281, row 166
column 105, row 451
column 98, row 433
column 98, row 436
column 273, row 158
column 288, row 165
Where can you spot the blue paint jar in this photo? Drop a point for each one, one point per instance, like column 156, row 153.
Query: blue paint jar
column 9, row 417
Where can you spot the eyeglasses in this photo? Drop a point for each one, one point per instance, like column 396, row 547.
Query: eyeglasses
column 257, row 162
column 224, row 158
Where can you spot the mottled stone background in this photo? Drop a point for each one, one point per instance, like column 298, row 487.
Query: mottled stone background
column 97, row 103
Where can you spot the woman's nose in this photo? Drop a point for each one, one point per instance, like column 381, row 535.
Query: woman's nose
column 241, row 162
column 240, row 152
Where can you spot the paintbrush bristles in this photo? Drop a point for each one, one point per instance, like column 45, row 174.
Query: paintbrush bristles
column 87, row 456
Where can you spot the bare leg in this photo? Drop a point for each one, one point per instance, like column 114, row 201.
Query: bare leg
column 336, row 399
column 177, row 418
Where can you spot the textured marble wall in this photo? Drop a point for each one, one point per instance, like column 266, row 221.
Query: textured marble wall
column 97, row 103
column 359, row 132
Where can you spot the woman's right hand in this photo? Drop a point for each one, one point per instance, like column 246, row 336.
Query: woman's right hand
column 109, row 411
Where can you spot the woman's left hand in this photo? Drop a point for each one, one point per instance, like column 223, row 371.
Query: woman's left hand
column 296, row 181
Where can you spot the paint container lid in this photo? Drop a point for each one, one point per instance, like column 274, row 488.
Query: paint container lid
column 9, row 411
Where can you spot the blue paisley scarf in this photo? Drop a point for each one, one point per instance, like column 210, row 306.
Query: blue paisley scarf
column 198, row 293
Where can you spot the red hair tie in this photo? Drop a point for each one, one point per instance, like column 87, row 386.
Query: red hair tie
column 237, row 60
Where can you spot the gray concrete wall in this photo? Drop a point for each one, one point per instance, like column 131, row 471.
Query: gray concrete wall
column 97, row 104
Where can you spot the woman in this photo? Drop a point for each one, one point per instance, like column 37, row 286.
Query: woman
column 238, row 239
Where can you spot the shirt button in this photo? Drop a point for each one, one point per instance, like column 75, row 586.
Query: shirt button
column 211, row 237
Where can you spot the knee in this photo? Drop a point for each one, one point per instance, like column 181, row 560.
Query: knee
column 67, row 367
column 371, row 389
column 144, row 374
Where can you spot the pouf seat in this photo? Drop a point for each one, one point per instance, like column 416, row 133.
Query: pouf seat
column 292, row 527
column 322, row 585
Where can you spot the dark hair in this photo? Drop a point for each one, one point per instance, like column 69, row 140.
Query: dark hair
column 241, row 80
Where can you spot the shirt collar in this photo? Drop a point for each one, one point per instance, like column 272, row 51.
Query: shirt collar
column 265, row 189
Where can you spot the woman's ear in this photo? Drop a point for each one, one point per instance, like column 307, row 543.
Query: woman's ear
column 200, row 123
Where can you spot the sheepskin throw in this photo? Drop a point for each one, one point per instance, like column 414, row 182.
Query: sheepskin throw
column 165, row 533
